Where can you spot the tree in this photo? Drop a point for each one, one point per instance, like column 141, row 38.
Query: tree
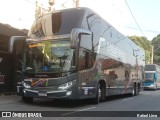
column 156, row 45
column 144, row 43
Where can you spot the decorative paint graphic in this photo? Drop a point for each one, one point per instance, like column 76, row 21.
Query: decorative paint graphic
column 96, row 76
column 40, row 83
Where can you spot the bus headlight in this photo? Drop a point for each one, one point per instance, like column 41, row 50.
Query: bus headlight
column 67, row 85
column 26, row 85
column 152, row 85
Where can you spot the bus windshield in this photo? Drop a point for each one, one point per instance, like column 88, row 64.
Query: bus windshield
column 149, row 76
column 48, row 56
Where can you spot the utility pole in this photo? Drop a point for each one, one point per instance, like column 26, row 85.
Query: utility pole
column 39, row 9
column 51, row 3
column 152, row 50
column 77, row 3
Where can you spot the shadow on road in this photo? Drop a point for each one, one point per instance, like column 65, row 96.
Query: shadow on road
column 70, row 103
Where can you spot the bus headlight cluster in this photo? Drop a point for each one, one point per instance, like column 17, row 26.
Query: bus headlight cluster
column 67, row 85
column 26, row 85
column 152, row 85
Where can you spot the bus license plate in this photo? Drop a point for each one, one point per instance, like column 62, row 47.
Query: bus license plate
column 42, row 93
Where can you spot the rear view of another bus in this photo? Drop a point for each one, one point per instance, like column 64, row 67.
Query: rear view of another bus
column 152, row 78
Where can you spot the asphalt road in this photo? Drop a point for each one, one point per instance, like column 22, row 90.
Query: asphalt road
column 145, row 101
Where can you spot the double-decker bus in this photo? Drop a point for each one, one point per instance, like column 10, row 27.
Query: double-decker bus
column 75, row 54
column 152, row 76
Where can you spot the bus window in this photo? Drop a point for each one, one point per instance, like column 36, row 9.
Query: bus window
column 86, row 59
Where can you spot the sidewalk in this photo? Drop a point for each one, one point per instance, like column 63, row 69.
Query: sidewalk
column 9, row 98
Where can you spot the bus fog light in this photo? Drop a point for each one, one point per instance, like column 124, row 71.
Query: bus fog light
column 68, row 93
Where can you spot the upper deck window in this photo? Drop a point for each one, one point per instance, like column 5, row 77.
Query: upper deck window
column 58, row 23
column 150, row 68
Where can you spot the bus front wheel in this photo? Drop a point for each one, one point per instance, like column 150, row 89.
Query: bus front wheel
column 134, row 90
column 100, row 94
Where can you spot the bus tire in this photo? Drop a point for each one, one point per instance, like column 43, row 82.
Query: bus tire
column 100, row 94
column 134, row 89
column 27, row 99
column 138, row 88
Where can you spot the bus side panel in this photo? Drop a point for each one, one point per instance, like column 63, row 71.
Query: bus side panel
column 112, row 59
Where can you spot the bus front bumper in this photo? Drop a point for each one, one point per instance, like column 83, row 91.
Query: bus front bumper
column 54, row 94
column 152, row 86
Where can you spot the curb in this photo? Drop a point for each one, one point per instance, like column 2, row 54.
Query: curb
column 7, row 93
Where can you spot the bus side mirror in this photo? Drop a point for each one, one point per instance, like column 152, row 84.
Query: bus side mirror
column 12, row 40
column 75, row 36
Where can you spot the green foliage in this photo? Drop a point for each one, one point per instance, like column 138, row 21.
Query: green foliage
column 144, row 43
column 156, row 44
